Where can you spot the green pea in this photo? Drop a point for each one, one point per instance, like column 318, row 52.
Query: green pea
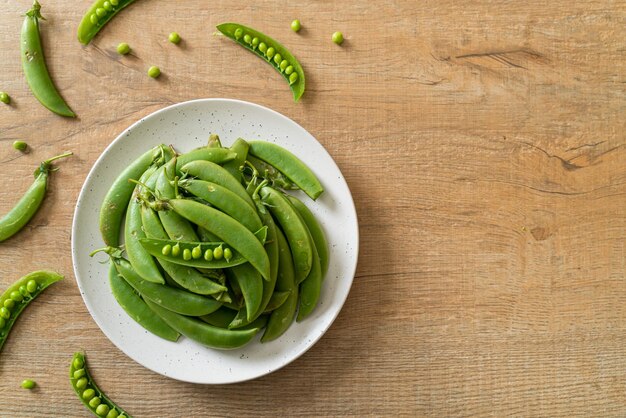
column 208, row 255
column 255, row 42
column 5, row 98
column 3, row 322
column 20, row 145
column 166, row 250
column 23, row 291
column 263, row 47
column 16, row 296
column 154, row 71
column 186, row 254
column 218, row 253
column 79, row 373
column 107, row 6
column 28, row 384
column 100, row 12
column 247, row 38
column 88, row 394
column 112, row 414
column 78, row 363
column 174, row 38
column 9, row 303
column 283, row 65
column 238, row 33
column 278, row 58
column 102, row 410
column 289, row 70
column 295, row 25
column 338, row 38
column 228, row 254
column 123, row 48
column 94, row 402
column 114, row 2
column 31, row 286
column 293, row 78
column 93, row 18
column 270, row 52
column 176, row 250
column 5, row 313
column 196, row 252
column 81, row 383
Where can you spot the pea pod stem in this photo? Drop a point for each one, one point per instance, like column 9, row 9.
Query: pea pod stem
column 34, row 65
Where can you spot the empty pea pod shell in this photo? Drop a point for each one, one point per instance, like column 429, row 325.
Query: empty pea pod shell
column 31, row 285
column 97, row 16
column 237, row 32
column 86, row 389
column 34, row 65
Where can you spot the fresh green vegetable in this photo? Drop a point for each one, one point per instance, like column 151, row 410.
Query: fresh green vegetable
column 28, row 205
column 296, row 26
column 21, row 293
column 317, row 234
column 100, row 12
column 123, row 48
column 174, row 38
column 20, row 145
column 338, row 38
column 154, row 71
column 28, row 384
column 34, row 65
column 270, row 50
column 158, row 248
column 5, row 98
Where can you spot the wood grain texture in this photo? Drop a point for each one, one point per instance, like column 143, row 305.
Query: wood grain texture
column 484, row 145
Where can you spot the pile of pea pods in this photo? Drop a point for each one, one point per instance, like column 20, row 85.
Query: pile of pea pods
column 214, row 249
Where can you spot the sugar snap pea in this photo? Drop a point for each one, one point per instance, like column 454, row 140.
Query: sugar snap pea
column 251, row 284
column 27, row 206
column 156, row 246
column 288, row 164
column 177, row 227
column 204, row 333
column 276, row 301
column 240, row 146
column 100, row 12
column 224, row 316
column 270, row 50
column 34, row 65
column 310, row 287
column 19, row 295
column 87, row 390
column 270, row 173
column 215, row 155
column 317, row 233
column 136, row 308
column 117, row 197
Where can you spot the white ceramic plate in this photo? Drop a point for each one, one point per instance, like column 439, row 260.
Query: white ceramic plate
column 186, row 126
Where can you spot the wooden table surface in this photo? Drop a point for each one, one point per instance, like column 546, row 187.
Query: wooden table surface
column 484, row 146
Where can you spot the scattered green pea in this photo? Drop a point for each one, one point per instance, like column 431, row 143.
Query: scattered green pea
column 247, row 38
column 93, row 18
column 289, row 70
column 81, row 383
column 238, row 33
column 3, row 322
column 186, row 254
column 283, row 65
column 295, row 25
column 293, row 78
column 5, row 313
column 28, row 384
column 101, row 12
column 154, row 71
column 174, row 38
column 263, row 47
column 166, row 250
column 270, row 52
column 88, row 394
column 218, row 253
column 20, row 145
column 102, row 410
column 208, row 255
column 79, row 373
column 9, row 304
column 123, row 48
column 228, row 254
column 112, row 414
column 5, row 98
column 107, row 6
column 78, row 363
column 338, row 38
column 196, row 252
column 16, row 296
column 31, row 286
column 176, row 250
column 94, row 402
column 278, row 58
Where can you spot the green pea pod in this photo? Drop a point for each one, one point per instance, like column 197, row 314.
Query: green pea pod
column 224, row 316
column 177, row 227
column 29, row 204
column 100, row 12
column 251, row 284
column 317, row 233
column 270, row 173
column 288, row 164
column 19, row 295
column 282, row 317
column 276, row 301
column 176, row 300
column 89, row 393
column 34, row 65
column 294, row 228
column 224, row 200
column 226, row 229
column 215, row 155
column 185, row 276
column 311, row 287
column 143, row 263
column 116, row 199
column 155, row 247
column 240, row 146
column 137, row 309
column 270, row 50
column 208, row 171
column 204, row 333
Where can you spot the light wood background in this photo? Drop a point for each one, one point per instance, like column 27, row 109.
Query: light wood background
column 485, row 149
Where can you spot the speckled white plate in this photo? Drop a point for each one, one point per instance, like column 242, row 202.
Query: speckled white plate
column 186, row 126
